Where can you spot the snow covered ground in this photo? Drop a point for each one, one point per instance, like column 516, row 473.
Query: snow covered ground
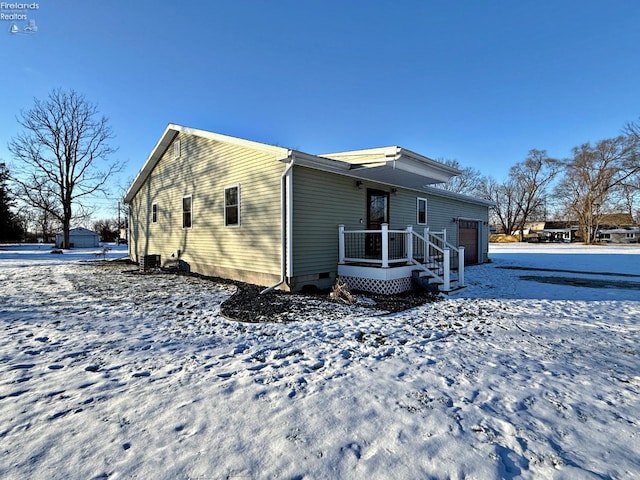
column 527, row 373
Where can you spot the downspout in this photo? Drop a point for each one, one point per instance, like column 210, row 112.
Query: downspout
column 285, row 200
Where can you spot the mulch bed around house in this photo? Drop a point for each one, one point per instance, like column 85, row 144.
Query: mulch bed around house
column 248, row 305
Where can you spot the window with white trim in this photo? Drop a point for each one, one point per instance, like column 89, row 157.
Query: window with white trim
column 187, row 210
column 421, row 210
column 154, row 213
column 177, row 149
column 232, row 206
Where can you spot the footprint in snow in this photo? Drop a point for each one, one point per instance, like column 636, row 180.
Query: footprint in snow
column 59, row 414
column 17, row 393
column 352, row 449
column 22, row 366
column 317, row 365
column 240, row 348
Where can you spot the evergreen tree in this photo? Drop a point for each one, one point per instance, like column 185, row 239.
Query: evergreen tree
column 10, row 229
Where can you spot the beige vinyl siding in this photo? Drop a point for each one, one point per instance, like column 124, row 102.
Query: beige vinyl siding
column 203, row 171
column 324, row 200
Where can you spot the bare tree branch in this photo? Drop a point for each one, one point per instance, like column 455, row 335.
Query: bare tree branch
column 469, row 182
column 524, row 192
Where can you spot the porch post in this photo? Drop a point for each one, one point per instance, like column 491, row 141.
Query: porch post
column 341, row 244
column 461, row 266
column 447, row 270
column 444, row 235
column 385, row 245
column 409, row 237
column 426, row 245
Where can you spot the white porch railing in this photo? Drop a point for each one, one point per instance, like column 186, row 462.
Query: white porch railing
column 386, row 248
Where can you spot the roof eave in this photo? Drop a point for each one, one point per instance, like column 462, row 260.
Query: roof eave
column 172, row 131
column 165, row 140
column 446, row 169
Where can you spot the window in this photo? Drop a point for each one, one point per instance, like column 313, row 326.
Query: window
column 631, row 235
column 176, row 149
column 154, row 213
column 232, row 206
column 186, row 211
column 422, row 211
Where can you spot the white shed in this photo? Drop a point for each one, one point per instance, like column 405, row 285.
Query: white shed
column 79, row 238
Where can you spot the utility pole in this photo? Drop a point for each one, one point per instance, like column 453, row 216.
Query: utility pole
column 119, row 225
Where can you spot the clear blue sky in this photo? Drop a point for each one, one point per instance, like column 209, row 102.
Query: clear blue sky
column 482, row 82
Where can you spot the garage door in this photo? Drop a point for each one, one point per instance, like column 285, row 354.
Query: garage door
column 468, row 238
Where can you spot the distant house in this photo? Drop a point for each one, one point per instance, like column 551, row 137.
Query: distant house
column 79, row 238
column 550, row 231
column 619, row 235
column 559, row 231
column 268, row 215
column 618, row 228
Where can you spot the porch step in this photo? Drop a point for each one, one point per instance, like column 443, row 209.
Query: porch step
column 423, row 280
column 455, row 290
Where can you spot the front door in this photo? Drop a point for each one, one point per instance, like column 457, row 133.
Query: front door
column 377, row 214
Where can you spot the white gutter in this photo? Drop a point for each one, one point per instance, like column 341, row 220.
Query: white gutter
column 286, row 215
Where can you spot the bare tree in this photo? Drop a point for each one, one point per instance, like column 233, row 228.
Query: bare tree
column 596, row 179
column 632, row 129
column 524, row 193
column 107, row 228
column 504, row 211
column 44, row 222
column 532, row 178
column 58, row 152
column 469, row 182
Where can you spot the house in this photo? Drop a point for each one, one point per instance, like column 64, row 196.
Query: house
column 282, row 218
column 559, row 231
column 79, row 238
column 618, row 228
column 619, row 235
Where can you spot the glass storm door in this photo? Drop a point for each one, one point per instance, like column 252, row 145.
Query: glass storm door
column 377, row 214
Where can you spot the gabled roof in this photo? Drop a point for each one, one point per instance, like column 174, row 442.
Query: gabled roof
column 170, row 133
column 394, row 165
column 81, row 231
column 561, row 225
column 617, row 220
column 619, row 230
